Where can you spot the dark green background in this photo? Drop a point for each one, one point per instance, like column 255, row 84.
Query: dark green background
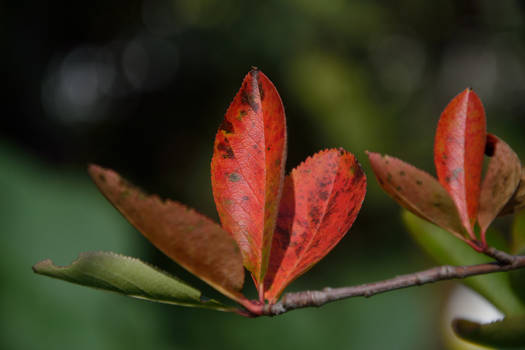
column 141, row 87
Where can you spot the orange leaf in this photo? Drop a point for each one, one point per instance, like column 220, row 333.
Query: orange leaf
column 247, row 169
column 417, row 191
column 321, row 199
column 500, row 182
column 458, row 154
column 192, row 240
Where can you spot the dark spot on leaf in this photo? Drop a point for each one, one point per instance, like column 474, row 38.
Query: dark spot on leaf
column 490, row 145
column 245, row 198
column 358, row 176
column 226, row 126
column 234, row 177
column 398, row 188
column 315, row 215
column 247, row 97
column 298, row 249
column 102, row 177
column 402, row 173
column 261, row 91
column 226, row 149
column 436, row 204
column 268, row 148
column 323, row 195
column 241, row 115
column 419, row 182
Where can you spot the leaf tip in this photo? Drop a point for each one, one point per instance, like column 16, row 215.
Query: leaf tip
column 97, row 172
column 41, row 266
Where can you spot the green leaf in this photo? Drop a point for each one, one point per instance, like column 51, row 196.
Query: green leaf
column 517, row 277
column 508, row 333
column 447, row 250
column 518, row 234
column 128, row 276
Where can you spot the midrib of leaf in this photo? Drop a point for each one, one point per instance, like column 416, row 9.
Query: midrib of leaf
column 464, row 172
column 120, row 276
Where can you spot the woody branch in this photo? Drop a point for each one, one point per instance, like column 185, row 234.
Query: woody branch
column 292, row 301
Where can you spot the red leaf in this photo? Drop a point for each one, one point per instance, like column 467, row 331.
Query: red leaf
column 192, row 240
column 458, row 154
column 248, row 169
column 321, row 199
column 500, row 182
column 417, row 191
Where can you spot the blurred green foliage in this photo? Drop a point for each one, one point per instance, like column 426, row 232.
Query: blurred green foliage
column 141, row 87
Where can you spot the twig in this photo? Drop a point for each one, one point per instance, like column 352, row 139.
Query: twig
column 498, row 255
column 292, row 301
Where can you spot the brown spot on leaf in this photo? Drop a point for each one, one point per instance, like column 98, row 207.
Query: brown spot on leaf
column 315, row 215
column 226, row 149
column 226, row 126
column 261, row 91
column 248, row 99
column 241, row 114
column 298, row 249
column 490, row 145
column 323, row 195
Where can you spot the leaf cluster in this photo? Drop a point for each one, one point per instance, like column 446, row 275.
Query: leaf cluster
column 278, row 226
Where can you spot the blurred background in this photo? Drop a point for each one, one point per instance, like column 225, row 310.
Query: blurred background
column 141, row 86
